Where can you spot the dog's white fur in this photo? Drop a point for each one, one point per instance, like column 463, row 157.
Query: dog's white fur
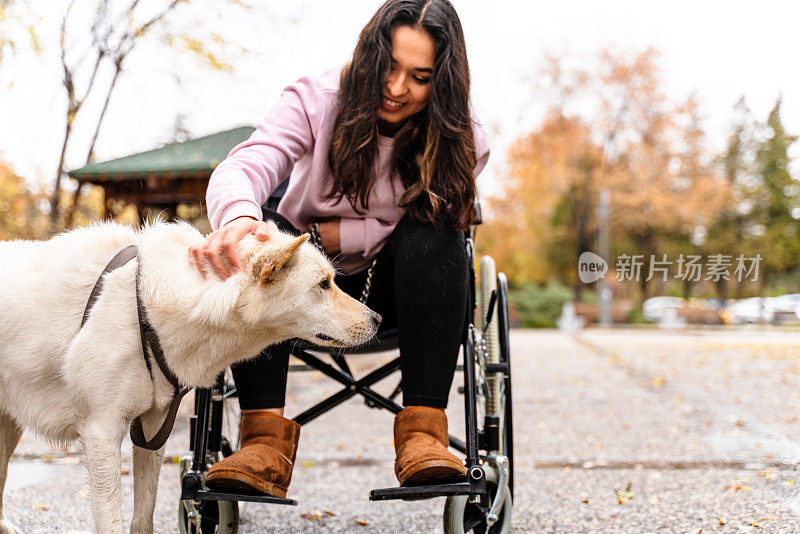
column 69, row 383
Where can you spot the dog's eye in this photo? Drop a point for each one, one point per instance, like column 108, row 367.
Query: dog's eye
column 325, row 284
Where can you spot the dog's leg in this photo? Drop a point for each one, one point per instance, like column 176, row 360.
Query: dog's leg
column 10, row 433
column 102, row 440
column 146, row 468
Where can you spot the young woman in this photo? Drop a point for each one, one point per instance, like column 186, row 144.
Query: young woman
column 383, row 155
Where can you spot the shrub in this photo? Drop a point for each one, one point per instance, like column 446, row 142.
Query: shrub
column 539, row 306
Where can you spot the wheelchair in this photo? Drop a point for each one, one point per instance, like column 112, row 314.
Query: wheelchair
column 481, row 503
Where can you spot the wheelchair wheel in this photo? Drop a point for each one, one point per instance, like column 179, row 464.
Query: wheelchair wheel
column 231, row 417
column 462, row 517
column 206, row 517
column 494, row 388
column 493, row 399
column 505, row 357
column 489, row 348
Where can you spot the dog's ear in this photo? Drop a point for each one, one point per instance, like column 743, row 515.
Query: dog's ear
column 273, row 258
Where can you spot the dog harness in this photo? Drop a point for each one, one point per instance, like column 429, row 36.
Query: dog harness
column 148, row 337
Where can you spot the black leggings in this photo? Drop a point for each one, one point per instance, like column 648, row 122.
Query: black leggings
column 419, row 286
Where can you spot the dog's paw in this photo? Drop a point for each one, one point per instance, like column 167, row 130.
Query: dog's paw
column 8, row 528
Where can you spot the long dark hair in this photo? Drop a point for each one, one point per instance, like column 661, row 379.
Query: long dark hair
column 435, row 156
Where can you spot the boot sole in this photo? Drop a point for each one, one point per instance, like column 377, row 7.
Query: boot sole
column 236, row 481
column 431, row 470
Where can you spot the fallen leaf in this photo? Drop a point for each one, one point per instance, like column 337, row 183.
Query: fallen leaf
column 737, row 488
column 328, row 512
column 314, row 515
column 788, row 482
column 754, row 523
column 586, row 501
column 362, row 523
column 697, row 531
column 623, row 496
column 39, row 506
column 307, row 463
column 768, row 518
column 722, row 520
column 125, row 472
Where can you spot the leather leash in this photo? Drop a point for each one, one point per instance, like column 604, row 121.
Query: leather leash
column 148, row 336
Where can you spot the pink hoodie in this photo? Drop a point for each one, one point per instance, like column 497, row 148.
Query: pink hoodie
column 294, row 138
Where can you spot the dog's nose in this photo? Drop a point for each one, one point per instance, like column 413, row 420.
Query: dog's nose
column 376, row 318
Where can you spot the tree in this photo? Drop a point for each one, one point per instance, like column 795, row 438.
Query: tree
column 776, row 201
column 613, row 127
column 548, row 198
column 115, row 31
column 16, row 28
column 730, row 234
column 20, row 214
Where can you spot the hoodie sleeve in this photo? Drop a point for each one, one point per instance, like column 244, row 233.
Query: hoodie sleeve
column 242, row 183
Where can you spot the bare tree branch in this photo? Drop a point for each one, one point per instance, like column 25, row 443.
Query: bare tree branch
column 90, row 153
column 71, row 110
column 144, row 27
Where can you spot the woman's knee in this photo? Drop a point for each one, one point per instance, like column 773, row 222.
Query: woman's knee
column 419, row 238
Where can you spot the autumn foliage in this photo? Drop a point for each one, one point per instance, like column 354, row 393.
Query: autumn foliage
column 609, row 127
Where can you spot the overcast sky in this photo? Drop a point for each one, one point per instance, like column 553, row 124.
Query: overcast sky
column 718, row 49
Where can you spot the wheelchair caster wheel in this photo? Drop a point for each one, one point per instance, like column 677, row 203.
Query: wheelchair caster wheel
column 208, row 517
column 462, row 517
column 205, row 517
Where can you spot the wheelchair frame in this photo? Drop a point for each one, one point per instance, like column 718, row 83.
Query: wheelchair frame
column 206, row 425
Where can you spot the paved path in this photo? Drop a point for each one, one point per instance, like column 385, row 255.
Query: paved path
column 704, row 426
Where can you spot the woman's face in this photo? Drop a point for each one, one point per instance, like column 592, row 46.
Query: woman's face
column 409, row 83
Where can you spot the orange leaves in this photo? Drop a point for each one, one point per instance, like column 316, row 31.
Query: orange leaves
column 609, row 126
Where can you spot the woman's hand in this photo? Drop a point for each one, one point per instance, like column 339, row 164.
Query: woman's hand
column 220, row 250
column 329, row 235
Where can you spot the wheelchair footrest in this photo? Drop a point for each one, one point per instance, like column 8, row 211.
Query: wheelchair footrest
column 208, row 495
column 420, row 492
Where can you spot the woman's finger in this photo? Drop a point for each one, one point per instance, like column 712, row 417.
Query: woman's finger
column 213, row 254
column 196, row 259
column 260, row 231
column 230, row 252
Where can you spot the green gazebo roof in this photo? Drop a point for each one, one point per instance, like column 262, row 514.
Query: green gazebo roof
column 196, row 157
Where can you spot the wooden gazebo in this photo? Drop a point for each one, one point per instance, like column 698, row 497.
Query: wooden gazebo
column 163, row 178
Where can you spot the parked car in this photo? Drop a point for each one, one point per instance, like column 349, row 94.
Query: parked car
column 751, row 310
column 655, row 308
column 786, row 308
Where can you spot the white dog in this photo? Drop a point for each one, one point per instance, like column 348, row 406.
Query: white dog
column 70, row 383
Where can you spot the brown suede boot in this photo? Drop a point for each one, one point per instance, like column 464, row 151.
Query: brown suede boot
column 420, row 441
column 265, row 461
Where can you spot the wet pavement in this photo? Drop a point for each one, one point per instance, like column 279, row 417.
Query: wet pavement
column 635, row 430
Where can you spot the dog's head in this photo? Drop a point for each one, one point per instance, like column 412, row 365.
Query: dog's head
column 289, row 287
